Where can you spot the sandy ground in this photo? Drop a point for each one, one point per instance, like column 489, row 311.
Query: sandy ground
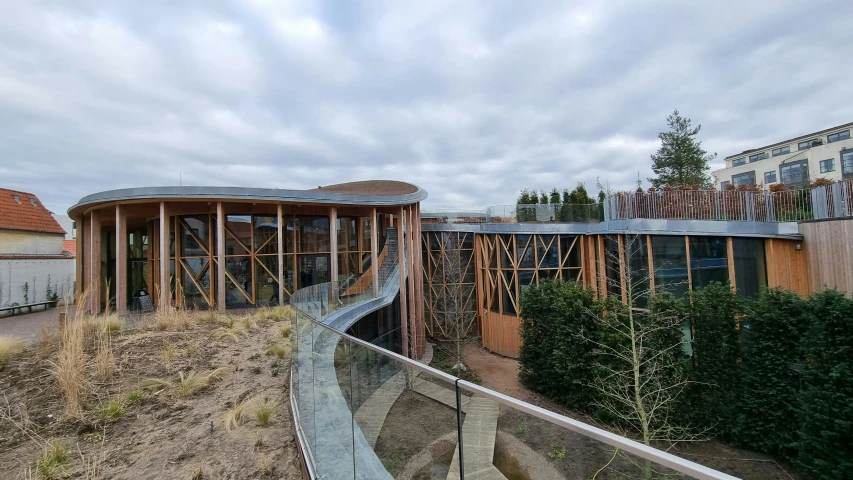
column 164, row 435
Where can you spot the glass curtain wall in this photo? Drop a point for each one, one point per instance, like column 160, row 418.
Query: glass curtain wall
column 251, row 257
column 750, row 267
column 709, row 261
column 670, row 260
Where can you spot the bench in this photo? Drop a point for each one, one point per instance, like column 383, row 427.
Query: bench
column 18, row 309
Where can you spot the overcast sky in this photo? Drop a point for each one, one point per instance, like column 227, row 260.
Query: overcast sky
column 470, row 100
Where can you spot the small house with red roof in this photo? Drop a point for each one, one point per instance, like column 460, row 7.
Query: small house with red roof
column 35, row 263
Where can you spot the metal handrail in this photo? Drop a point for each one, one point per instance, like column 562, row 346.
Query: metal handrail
column 644, row 451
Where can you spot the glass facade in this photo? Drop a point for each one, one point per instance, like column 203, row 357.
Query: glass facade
column 750, row 267
column 670, row 260
column 252, row 258
column 512, row 263
column 708, row 261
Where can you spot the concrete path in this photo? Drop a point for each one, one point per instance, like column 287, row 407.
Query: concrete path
column 440, row 394
column 371, row 415
column 28, row 327
column 479, row 431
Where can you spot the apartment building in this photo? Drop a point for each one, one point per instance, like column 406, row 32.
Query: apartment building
column 796, row 161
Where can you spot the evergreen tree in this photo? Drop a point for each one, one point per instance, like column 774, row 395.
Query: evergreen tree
column 543, row 198
column 680, row 159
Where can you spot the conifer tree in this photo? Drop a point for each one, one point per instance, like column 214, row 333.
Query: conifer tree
column 680, row 159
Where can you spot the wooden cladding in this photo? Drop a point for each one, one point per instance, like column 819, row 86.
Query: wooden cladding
column 829, row 254
column 786, row 266
column 510, row 263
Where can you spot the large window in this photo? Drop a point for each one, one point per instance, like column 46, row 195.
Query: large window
column 795, row 173
column 747, row 178
column 835, row 137
column 708, row 261
column 770, row 177
column 670, row 261
column 827, row 165
column 638, row 265
column 757, row 157
column 781, row 150
column 847, row 163
column 805, row 145
column 750, row 268
column 739, row 161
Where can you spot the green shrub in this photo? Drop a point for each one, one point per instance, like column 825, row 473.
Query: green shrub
column 712, row 399
column 826, row 400
column 552, row 360
column 767, row 414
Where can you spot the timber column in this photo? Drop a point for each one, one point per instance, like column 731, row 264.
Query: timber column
column 121, row 259
column 95, row 262
column 401, row 260
column 220, row 257
column 165, row 293
column 333, row 246
column 374, row 251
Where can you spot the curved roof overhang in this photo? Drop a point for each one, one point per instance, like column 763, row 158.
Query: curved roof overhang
column 785, row 230
column 391, row 195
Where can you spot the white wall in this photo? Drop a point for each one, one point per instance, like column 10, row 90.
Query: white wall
column 814, row 155
column 67, row 223
column 35, row 273
column 30, row 243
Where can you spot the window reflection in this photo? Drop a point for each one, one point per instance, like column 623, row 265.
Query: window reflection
column 708, row 261
column 670, row 258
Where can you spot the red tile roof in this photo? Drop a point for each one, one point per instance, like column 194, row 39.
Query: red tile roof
column 70, row 246
column 26, row 213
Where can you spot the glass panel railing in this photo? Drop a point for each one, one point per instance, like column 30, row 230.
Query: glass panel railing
column 406, row 413
column 517, row 440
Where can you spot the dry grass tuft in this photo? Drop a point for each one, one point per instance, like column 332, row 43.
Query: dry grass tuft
column 9, row 347
column 51, row 462
column 286, row 331
column 47, row 343
column 108, row 323
column 263, row 410
column 188, row 383
column 277, row 350
column 275, row 314
column 173, row 319
column 105, row 362
column 69, row 370
column 167, row 355
column 235, row 415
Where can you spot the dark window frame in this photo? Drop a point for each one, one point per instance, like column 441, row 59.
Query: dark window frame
column 774, row 180
column 839, row 136
column 791, row 164
column 807, row 143
column 757, row 157
column 725, row 184
column 739, row 161
column 781, row 150
column 821, row 163
column 736, row 184
column 846, row 173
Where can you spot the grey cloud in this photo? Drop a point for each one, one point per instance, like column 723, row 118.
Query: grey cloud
column 472, row 101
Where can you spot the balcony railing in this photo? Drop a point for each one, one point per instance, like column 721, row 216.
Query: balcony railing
column 827, row 201
column 364, row 412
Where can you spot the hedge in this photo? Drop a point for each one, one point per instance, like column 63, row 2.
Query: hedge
column 773, row 374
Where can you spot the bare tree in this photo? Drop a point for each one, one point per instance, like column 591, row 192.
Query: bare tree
column 454, row 301
column 641, row 349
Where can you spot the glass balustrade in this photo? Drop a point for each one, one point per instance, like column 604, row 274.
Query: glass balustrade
column 364, row 412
